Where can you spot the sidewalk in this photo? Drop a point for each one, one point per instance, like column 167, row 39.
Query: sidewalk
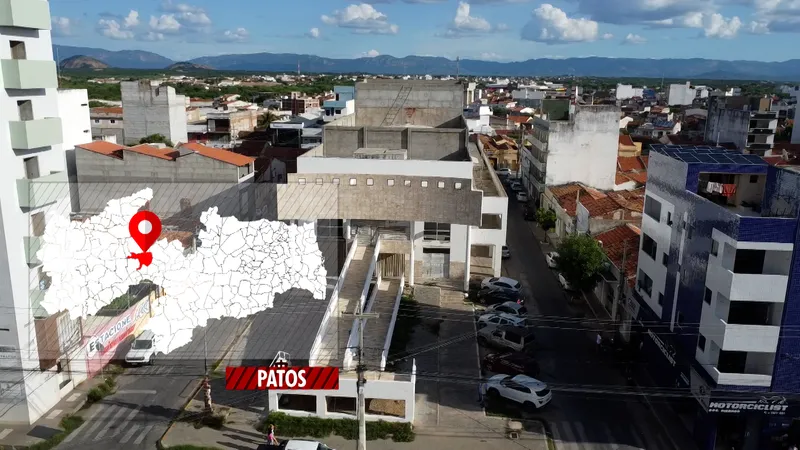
column 23, row 436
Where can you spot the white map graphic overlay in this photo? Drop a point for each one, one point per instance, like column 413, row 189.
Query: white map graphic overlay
column 237, row 269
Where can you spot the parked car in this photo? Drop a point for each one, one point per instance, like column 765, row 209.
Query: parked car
column 504, row 172
column 522, row 196
column 516, row 186
column 503, row 282
column 500, row 319
column 506, row 337
column 552, row 258
column 506, row 252
column 493, row 295
column 529, row 392
column 564, row 283
column 511, row 308
column 297, row 444
column 511, row 363
column 143, row 349
column 529, row 214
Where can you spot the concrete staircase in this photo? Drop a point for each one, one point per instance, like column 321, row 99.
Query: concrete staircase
column 375, row 329
column 334, row 343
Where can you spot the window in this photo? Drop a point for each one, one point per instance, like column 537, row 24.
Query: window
column 701, row 342
column 31, row 167
column 25, row 108
column 18, row 50
column 649, row 246
column 424, row 184
column 645, row 283
column 714, row 247
column 688, row 231
column 301, row 181
column 754, row 178
column 665, row 259
column 96, row 120
column 335, row 181
column 113, row 121
column 370, row 181
column 458, row 186
column 436, row 232
column 407, row 183
column 390, row 182
column 440, row 185
column 318, row 180
column 652, row 208
column 660, row 299
column 353, row 182
column 669, row 218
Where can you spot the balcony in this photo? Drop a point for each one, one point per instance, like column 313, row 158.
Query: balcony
column 30, row 134
column 746, row 286
column 43, row 190
column 750, row 338
column 761, row 131
column 741, row 379
column 32, row 245
column 33, row 14
column 29, row 74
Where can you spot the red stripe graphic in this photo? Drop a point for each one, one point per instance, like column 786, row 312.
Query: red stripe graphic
column 282, row 378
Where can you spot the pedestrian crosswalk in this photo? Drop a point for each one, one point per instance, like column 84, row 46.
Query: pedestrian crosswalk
column 572, row 435
column 108, row 424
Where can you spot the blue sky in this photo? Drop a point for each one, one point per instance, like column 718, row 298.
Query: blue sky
column 502, row 30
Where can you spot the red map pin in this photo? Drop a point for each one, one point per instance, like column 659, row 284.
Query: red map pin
column 145, row 228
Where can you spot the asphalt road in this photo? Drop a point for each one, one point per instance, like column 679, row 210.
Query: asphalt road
column 589, row 409
column 148, row 397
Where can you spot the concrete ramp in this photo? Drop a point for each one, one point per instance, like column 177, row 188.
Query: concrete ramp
column 375, row 330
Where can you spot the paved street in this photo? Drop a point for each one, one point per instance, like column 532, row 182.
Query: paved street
column 583, row 413
column 148, row 397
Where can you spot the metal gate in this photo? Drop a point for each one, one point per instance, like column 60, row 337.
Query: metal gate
column 392, row 265
column 435, row 263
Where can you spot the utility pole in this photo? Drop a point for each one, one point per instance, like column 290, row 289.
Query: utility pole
column 621, row 285
column 361, row 404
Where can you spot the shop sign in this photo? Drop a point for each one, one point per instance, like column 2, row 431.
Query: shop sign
column 769, row 405
column 667, row 350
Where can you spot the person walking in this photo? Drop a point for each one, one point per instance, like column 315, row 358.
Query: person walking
column 482, row 394
column 599, row 342
column 271, row 440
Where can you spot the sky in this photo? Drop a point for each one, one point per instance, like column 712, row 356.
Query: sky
column 497, row 30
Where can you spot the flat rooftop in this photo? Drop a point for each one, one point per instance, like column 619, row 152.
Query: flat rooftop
column 484, row 176
column 707, row 155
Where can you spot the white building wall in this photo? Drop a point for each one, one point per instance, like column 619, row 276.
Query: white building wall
column 626, row 91
column 680, row 94
column 73, row 108
column 660, row 232
column 409, row 167
column 27, row 391
column 584, row 150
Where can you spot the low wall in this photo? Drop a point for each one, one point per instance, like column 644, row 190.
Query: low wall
column 388, row 343
column 352, row 341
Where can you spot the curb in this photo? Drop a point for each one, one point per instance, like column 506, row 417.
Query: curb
column 548, row 434
column 160, row 441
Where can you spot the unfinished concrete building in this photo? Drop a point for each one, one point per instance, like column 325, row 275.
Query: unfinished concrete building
column 149, row 110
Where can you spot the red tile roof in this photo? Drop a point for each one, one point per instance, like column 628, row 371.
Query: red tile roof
column 168, row 154
column 519, row 120
column 621, row 178
column 614, row 242
column 630, row 164
column 639, row 177
column 220, row 155
column 103, row 148
column 625, row 140
column 107, row 110
column 645, row 160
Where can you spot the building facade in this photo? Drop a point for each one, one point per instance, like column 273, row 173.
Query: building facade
column 298, row 104
column 681, row 94
column 107, row 122
column 39, row 353
column 343, row 103
column 149, row 110
column 583, row 148
column 716, row 306
column 746, row 122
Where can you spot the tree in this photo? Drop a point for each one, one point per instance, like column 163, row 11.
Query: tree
column 546, row 218
column 267, row 118
column 580, row 259
column 500, row 111
column 156, row 139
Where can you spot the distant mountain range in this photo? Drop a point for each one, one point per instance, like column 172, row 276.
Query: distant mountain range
column 695, row 68
column 82, row 62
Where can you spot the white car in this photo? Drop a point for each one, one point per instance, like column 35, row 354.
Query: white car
column 522, row 196
column 522, row 389
column 302, row 444
column 500, row 319
column 513, row 309
column 516, row 186
column 552, row 259
column 564, row 283
column 503, row 282
column 504, row 172
column 143, row 349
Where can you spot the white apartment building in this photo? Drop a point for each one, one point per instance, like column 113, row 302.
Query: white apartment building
column 581, row 149
column 149, row 110
column 35, row 120
column 681, row 94
column 626, row 91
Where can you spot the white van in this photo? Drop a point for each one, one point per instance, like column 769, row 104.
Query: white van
column 143, row 349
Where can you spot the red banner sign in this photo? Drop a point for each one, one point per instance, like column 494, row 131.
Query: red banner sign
column 261, row 378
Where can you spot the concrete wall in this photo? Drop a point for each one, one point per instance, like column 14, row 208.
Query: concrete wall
column 149, row 110
column 727, row 125
column 680, row 94
column 447, row 169
column 73, row 108
column 320, row 198
column 429, row 103
column 585, row 148
column 342, row 140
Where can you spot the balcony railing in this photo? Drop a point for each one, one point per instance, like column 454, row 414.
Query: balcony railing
column 32, row 245
column 43, row 190
column 442, row 236
column 750, row 338
column 31, row 134
column 33, row 14
column 29, row 74
column 749, row 287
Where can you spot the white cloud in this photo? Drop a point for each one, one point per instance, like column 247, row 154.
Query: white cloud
column 464, row 22
column 634, row 39
column 110, row 28
column 490, row 56
column 62, row 26
column 170, row 6
column 608, row 36
column 131, row 20
column 313, row 33
column 775, row 16
column 552, row 26
column 718, row 26
column 190, row 15
column 238, row 35
column 195, row 18
column 758, row 27
column 370, row 54
column 167, row 23
column 624, row 12
column 152, row 36
column 362, row 19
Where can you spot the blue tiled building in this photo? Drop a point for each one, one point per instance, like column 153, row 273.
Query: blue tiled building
column 716, row 307
column 342, row 104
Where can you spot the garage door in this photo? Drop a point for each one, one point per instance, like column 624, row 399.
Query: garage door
column 392, row 265
column 435, row 263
